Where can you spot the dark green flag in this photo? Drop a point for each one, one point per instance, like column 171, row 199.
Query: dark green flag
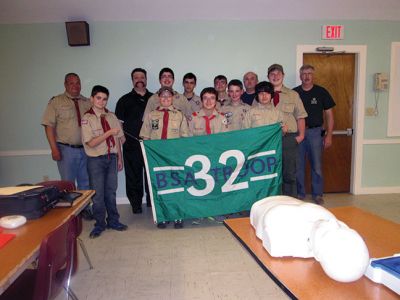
column 215, row 174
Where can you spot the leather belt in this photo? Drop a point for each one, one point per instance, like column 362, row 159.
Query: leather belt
column 72, row 146
column 309, row 127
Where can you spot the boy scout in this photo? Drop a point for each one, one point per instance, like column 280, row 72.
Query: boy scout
column 167, row 78
column 263, row 112
column 102, row 136
column 208, row 120
column 165, row 122
column 235, row 110
column 290, row 104
column 189, row 83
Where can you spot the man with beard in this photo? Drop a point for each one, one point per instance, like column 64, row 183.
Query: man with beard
column 129, row 110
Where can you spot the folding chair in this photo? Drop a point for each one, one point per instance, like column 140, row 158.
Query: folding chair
column 70, row 186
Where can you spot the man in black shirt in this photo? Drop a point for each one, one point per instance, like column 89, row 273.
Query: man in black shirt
column 317, row 102
column 129, row 110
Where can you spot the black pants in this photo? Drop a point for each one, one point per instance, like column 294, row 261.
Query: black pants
column 134, row 170
column 289, row 157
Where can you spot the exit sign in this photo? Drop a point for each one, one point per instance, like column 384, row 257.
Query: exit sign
column 333, row 32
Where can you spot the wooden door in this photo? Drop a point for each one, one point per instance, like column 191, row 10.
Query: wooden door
column 336, row 73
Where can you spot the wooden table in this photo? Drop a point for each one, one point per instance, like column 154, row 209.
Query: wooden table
column 303, row 278
column 21, row 251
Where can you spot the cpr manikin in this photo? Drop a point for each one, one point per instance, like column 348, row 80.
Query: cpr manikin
column 290, row 227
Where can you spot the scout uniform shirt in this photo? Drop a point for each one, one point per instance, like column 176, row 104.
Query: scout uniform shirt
column 260, row 115
column 154, row 124
column 198, row 124
column 292, row 108
column 234, row 114
column 195, row 103
column 179, row 101
column 61, row 114
column 91, row 128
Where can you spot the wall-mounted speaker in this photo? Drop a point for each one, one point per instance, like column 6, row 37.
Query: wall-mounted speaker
column 78, row 33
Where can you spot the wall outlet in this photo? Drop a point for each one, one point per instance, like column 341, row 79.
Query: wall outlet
column 370, row 111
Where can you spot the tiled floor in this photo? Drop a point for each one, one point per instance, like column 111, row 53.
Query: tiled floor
column 196, row 262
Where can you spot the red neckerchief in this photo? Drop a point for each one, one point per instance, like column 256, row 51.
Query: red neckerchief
column 106, row 127
column 208, row 120
column 276, row 98
column 165, row 120
column 78, row 112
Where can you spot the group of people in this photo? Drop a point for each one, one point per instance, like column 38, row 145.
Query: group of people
column 84, row 136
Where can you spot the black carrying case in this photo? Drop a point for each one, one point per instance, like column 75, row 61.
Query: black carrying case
column 31, row 204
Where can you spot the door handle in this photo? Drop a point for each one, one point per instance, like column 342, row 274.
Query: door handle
column 347, row 132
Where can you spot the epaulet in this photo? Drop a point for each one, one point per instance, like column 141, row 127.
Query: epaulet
column 52, row 98
column 194, row 114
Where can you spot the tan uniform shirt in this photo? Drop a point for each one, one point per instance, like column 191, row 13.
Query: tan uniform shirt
column 197, row 123
column 195, row 103
column 292, row 108
column 179, row 101
column 260, row 115
column 91, row 128
column 153, row 124
column 234, row 114
column 221, row 103
column 61, row 114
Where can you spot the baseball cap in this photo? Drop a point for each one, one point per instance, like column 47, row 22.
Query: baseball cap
column 165, row 89
column 275, row 67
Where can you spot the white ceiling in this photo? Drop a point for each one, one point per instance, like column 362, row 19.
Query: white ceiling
column 45, row 11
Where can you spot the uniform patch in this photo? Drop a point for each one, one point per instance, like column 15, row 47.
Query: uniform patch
column 154, row 124
column 84, row 122
column 228, row 117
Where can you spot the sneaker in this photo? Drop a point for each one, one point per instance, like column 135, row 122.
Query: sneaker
column 318, row 200
column 117, row 226
column 162, row 225
column 96, row 232
column 178, row 224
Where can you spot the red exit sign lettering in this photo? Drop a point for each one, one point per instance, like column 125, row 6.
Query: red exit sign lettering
column 333, row 32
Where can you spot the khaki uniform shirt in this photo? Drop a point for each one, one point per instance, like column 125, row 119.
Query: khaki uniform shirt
column 91, row 128
column 195, row 103
column 260, row 115
column 153, row 124
column 292, row 108
column 61, row 114
column 234, row 114
column 222, row 102
column 179, row 101
column 197, row 124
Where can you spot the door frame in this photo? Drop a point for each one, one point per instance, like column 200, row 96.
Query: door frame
column 360, row 52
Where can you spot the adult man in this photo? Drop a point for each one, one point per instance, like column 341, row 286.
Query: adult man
column 129, row 110
column 289, row 103
column 250, row 80
column 220, row 84
column 62, row 123
column 189, row 83
column 317, row 102
column 167, row 78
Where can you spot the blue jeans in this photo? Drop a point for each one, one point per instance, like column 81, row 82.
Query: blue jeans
column 311, row 148
column 103, row 177
column 72, row 166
